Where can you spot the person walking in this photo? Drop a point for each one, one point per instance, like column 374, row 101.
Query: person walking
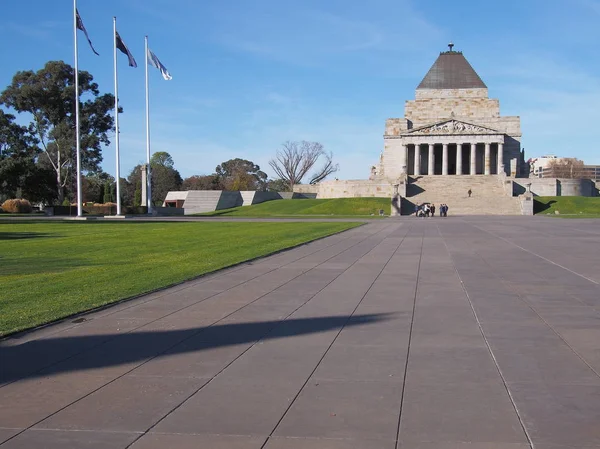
column 432, row 210
column 445, row 210
column 416, row 210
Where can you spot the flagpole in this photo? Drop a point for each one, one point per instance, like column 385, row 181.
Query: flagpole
column 117, row 119
column 148, row 174
column 77, row 137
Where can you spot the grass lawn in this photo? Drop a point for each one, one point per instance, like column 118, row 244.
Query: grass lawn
column 341, row 207
column 49, row 270
column 579, row 206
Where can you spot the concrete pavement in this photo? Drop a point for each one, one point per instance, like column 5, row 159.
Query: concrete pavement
column 459, row 333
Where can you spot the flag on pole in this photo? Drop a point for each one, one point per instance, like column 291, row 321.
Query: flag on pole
column 153, row 61
column 81, row 27
column 121, row 46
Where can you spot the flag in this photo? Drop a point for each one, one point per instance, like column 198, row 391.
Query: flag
column 82, row 28
column 153, row 61
column 121, row 46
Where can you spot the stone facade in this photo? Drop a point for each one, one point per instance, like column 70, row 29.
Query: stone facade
column 451, row 127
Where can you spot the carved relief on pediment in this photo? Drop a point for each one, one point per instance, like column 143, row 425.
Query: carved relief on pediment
column 454, row 127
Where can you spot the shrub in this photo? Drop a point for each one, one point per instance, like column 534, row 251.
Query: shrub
column 17, row 206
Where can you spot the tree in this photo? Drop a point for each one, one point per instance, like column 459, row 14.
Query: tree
column 162, row 158
column 278, row 185
column 48, row 96
column 569, row 168
column 127, row 193
column 241, row 174
column 164, row 178
column 97, row 187
column 134, row 186
column 20, row 175
column 293, row 162
column 207, row 182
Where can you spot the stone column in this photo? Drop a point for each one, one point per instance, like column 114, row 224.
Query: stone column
column 459, row 158
column 473, row 159
column 445, row 159
column 487, row 159
column 417, row 159
column 144, row 196
column 500, row 158
column 431, row 161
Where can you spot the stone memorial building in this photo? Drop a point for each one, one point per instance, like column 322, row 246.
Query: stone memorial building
column 451, row 128
column 451, row 139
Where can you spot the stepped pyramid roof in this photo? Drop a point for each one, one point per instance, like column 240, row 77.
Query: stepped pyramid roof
column 451, row 70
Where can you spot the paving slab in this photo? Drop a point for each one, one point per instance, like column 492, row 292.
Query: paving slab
column 462, row 333
column 25, row 403
column 327, row 443
column 244, row 407
column 56, row 439
column 5, row 434
column 164, row 441
column 344, row 409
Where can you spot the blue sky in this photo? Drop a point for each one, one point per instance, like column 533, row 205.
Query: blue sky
column 249, row 75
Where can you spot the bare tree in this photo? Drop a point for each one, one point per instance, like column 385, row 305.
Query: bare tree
column 293, row 162
column 567, row 168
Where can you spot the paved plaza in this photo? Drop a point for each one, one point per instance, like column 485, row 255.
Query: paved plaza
column 457, row 333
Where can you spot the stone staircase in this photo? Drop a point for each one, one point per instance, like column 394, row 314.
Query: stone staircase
column 488, row 196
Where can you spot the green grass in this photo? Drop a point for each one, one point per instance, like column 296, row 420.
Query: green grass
column 340, row 207
column 49, row 270
column 579, row 206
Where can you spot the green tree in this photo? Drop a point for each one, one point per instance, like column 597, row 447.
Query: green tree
column 161, row 158
column 241, row 174
column 134, row 186
column 278, row 185
column 96, row 187
column 20, row 174
column 164, row 177
column 48, row 97
column 207, row 182
column 127, row 193
column 109, row 188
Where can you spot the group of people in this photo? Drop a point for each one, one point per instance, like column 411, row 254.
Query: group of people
column 428, row 210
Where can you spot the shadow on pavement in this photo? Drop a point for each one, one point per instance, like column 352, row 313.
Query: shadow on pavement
column 53, row 355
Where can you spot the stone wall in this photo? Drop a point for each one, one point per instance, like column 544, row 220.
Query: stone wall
column 422, row 94
column 423, row 112
column 555, row 187
column 250, row 197
column 196, row 201
column 167, row 211
column 395, row 126
column 348, row 189
column 394, row 158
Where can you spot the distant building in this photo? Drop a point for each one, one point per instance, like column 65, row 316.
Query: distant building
column 540, row 167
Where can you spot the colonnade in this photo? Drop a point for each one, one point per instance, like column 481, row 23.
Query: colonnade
column 457, row 163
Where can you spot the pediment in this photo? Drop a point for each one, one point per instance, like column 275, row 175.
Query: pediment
column 453, row 127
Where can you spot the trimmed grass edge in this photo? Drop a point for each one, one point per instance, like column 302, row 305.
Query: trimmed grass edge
column 21, row 333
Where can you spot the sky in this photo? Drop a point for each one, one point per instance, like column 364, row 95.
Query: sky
column 251, row 75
